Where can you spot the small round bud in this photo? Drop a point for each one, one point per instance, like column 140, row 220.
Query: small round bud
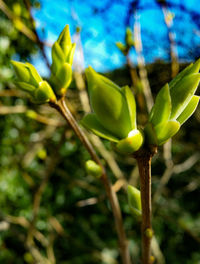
column 149, row 233
column 93, row 168
column 132, row 143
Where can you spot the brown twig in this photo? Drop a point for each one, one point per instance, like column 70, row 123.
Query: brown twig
column 61, row 107
column 143, row 157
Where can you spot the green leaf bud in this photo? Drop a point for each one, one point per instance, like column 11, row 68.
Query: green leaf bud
column 35, row 75
column 93, row 168
column 62, row 59
column 22, row 72
column 114, row 116
column 26, row 87
column 178, row 77
column 192, row 68
column 64, row 39
column 195, row 67
column 122, row 47
column 162, row 108
column 63, row 78
column 109, row 104
column 65, row 45
column 131, row 143
column 134, row 201
column 189, row 110
column 149, row 233
column 182, row 93
column 71, row 54
column 58, row 57
column 129, row 37
column 31, row 114
column 174, row 105
column 130, row 99
column 26, row 73
column 44, row 93
column 165, row 131
column 30, row 81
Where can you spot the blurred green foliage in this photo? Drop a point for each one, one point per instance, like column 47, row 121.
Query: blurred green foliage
column 74, row 222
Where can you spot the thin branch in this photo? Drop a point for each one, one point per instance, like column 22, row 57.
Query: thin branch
column 61, row 107
column 157, row 251
column 7, row 93
column 18, row 109
column 167, row 153
column 186, row 165
column 168, row 18
column 141, row 64
column 22, row 221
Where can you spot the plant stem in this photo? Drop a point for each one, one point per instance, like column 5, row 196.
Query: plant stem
column 143, row 158
column 61, row 106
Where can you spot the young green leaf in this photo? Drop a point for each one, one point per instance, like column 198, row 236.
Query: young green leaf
column 121, row 47
column 192, row 68
column 165, row 131
column 22, row 71
column 64, row 78
column 189, row 110
column 58, row 57
column 182, row 93
column 130, row 99
column 34, row 73
column 26, row 87
column 70, row 55
column 162, row 107
column 64, row 39
column 44, row 93
column 90, row 122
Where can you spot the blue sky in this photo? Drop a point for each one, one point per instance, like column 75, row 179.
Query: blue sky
column 100, row 30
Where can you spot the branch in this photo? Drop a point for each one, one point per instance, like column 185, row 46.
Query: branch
column 186, row 165
column 143, row 157
column 168, row 18
column 141, row 64
column 61, row 107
